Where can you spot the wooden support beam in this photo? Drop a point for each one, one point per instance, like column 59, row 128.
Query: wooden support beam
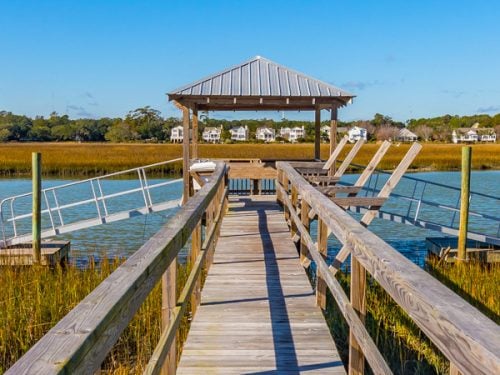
column 332, row 190
column 349, row 158
column 333, row 135
column 322, row 248
column 370, row 168
column 195, row 134
column 304, row 218
column 385, row 192
column 185, row 154
column 168, row 302
column 195, row 252
column 295, row 201
column 317, row 133
column 359, row 201
column 358, row 302
column 36, row 222
column 330, row 163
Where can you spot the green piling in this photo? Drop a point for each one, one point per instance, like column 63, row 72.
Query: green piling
column 36, row 161
column 464, row 204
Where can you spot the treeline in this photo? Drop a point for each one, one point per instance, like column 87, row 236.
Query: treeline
column 147, row 125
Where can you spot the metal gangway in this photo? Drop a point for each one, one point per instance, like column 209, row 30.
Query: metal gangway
column 435, row 206
column 87, row 203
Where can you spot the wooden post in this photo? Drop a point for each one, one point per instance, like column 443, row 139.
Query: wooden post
column 358, row 302
column 195, row 251
column 464, row 204
column 168, row 302
column 278, row 180
column 295, row 199
column 304, row 218
column 36, row 224
column 195, row 134
column 317, row 133
column 185, row 154
column 333, row 134
column 322, row 248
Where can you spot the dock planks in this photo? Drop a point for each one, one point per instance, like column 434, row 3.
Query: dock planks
column 257, row 312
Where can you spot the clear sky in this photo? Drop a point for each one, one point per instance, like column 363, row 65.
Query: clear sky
column 405, row 59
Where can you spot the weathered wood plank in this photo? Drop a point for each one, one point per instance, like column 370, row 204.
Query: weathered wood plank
column 257, row 307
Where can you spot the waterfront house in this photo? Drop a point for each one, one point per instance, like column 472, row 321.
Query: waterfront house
column 212, row 134
column 356, row 133
column 486, row 135
column 265, row 134
column 406, row 135
column 176, row 135
column 464, row 135
column 239, row 133
column 293, row 134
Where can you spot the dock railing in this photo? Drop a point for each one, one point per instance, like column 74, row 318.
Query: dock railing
column 80, row 342
column 461, row 332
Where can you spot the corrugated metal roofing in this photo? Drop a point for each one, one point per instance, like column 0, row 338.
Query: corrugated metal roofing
column 263, row 78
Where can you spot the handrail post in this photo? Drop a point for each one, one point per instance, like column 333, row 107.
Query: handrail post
column 322, row 248
column 358, row 302
column 195, row 251
column 295, row 195
column 304, row 218
column 464, row 204
column 36, row 161
column 168, row 302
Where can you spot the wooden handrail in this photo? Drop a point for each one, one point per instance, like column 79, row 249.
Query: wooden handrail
column 463, row 334
column 82, row 339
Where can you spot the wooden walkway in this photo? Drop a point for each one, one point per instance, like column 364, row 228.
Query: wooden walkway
column 257, row 312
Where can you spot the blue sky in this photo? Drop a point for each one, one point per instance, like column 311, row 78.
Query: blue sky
column 405, row 59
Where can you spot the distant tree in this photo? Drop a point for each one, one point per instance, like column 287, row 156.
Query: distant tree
column 386, row 132
column 121, row 132
column 147, row 122
column 424, row 132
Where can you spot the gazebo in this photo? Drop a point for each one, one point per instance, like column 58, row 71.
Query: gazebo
column 258, row 85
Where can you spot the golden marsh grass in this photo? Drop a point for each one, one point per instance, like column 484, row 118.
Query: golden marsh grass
column 77, row 159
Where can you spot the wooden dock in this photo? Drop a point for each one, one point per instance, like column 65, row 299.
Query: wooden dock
column 257, row 312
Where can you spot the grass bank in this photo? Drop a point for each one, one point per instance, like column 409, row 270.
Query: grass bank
column 34, row 299
column 89, row 159
column 405, row 348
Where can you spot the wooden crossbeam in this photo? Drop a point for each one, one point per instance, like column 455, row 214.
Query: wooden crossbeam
column 384, row 193
column 322, row 180
column 332, row 190
column 335, row 154
column 359, row 201
column 349, row 158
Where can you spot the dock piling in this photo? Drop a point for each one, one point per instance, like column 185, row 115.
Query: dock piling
column 36, row 161
column 464, row 204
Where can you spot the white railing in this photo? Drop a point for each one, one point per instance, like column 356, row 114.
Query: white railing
column 83, row 204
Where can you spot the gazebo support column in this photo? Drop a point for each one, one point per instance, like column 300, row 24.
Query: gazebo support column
column 185, row 154
column 333, row 134
column 317, row 133
column 195, row 134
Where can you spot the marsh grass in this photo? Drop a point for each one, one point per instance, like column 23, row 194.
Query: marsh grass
column 406, row 349
column 34, row 299
column 90, row 159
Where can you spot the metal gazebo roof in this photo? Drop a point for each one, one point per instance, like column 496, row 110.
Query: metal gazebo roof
column 260, row 84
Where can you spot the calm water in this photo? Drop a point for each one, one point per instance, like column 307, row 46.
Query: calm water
column 122, row 238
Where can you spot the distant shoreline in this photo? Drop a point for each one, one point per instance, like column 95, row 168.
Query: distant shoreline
column 91, row 159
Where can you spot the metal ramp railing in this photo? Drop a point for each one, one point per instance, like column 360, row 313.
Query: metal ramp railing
column 436, row 206
column 87, row 203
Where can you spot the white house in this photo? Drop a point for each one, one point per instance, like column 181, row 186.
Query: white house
column 239, row 133
column 177, row 134
column 486, row 135
column 293, row 134
column 325, row 131
column 356, row 133
column 464, row 135
column 406, row 135
column 212, row 134
column 265, row 134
